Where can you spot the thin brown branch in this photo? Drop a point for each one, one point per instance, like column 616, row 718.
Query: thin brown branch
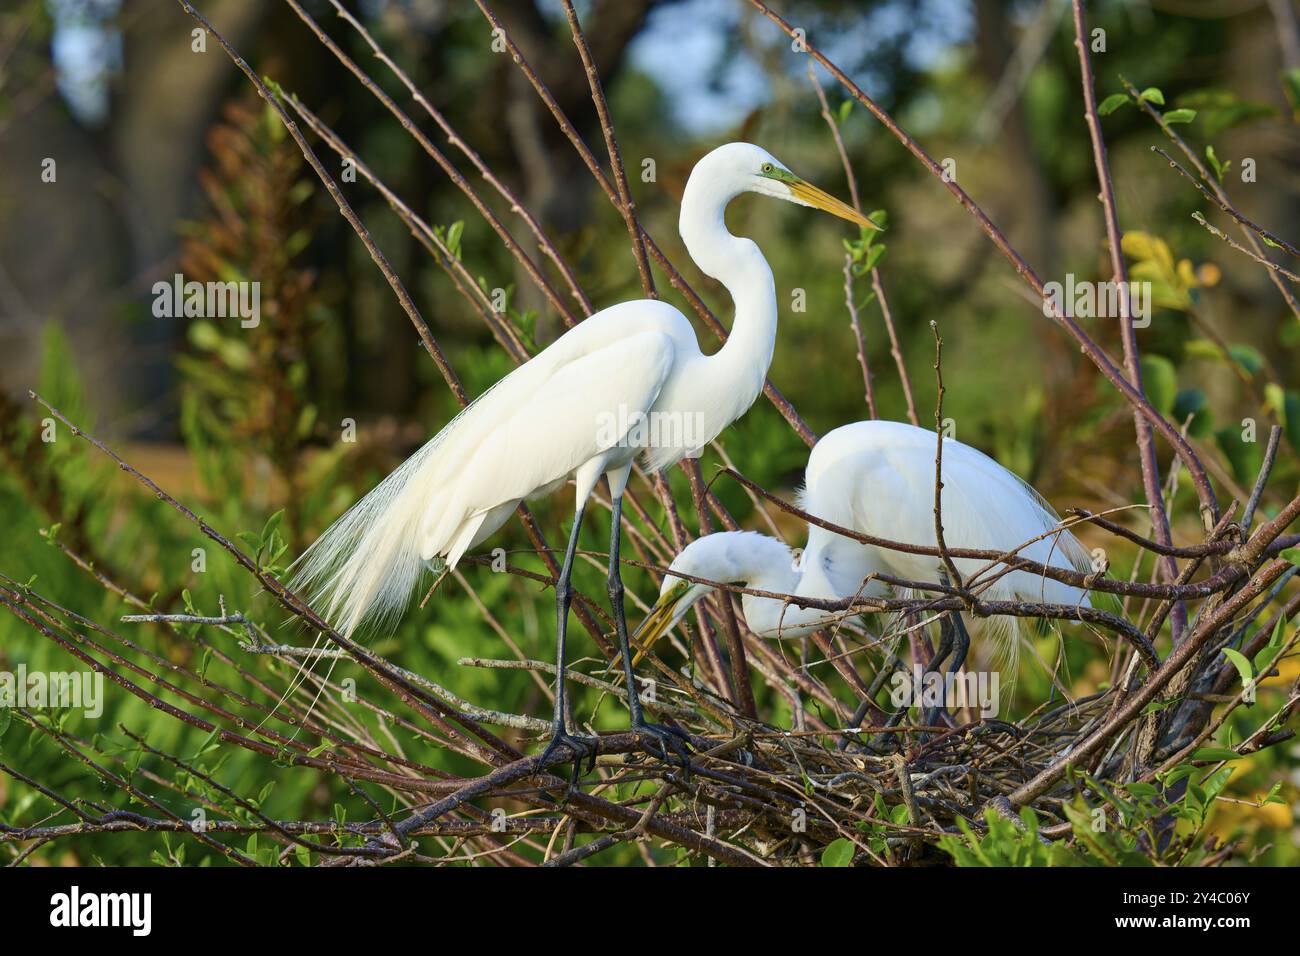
column 626, row 206
column 1128, row 335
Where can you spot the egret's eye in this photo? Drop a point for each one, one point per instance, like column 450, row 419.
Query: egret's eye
column 767, row 168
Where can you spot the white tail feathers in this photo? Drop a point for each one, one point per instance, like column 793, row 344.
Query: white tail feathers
column 363, row 569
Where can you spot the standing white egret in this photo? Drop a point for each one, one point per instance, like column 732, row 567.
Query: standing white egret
column 877, row 478
column 578, row 409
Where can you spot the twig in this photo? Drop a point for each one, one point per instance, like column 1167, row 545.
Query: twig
column 1266, row 468
column 1266, row 263
column 954, row 576
column 438, row 157
column 858, row 339
column 544, row 241
column 627, row 207
column 1128, row 336
column 878, row 286
column 1219, row 199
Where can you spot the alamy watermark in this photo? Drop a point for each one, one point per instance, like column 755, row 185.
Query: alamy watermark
column 628, row 428
column 208, row 300
column 976, row 689
column 57, row 689
column 133, row 911
column 1098, row 300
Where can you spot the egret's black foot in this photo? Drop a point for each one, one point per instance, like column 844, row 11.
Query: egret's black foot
column 933, row 717
column 660, row 739
column 580, row 748
column 888, row 741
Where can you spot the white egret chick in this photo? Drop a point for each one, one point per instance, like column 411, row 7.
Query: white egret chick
column 877, row 478
column 571, row 412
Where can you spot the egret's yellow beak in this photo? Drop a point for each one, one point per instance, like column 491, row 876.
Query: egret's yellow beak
column 807, row 192
column 658, row 622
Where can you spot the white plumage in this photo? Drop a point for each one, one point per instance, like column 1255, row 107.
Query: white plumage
column 574, row 410
column 877, row 478
column 549, row 419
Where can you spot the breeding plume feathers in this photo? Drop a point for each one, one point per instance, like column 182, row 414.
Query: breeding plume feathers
column 364, row 568
column 523, row 437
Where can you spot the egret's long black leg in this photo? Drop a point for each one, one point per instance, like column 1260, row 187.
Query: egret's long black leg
column 887, row 669
column 580, row 748
column 961, row 646
column 940, row 653
column 614, row 584
column 955, row 638
column 665, row 738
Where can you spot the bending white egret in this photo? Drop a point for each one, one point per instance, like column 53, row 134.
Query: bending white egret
column 574, row 410
column 877, row 478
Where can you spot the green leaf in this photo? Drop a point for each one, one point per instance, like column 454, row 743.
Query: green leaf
column 1291, row 417
column 874, row 255
column 1280, row 628
column 1180, row 116
column 845, row 107
column 1152, row 94
column 1264, row 659
column 1221, row 110
column 1247, row 357
column 1156, row 706
column 1240, row 662
column 1219, row 168
column 1191, row 402
column 1291, row 84
column 454, row 232
column 1246, row 457
column 272, row 523
column 1215, row 753
column 1171, row 777
column 838, row 853
column 1160, row 382
column 1111, row 103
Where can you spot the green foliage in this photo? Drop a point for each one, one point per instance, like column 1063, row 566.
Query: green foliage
column 838, row 853
column 1220, row 168
column 1137, row 825
column 1113, row 102
column 1222, row 110
column 867, row 251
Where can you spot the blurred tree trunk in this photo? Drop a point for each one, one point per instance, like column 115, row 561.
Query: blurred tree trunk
column 81, row 250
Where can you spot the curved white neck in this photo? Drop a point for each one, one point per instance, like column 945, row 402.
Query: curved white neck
column 770, row 618
column 737, row 370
